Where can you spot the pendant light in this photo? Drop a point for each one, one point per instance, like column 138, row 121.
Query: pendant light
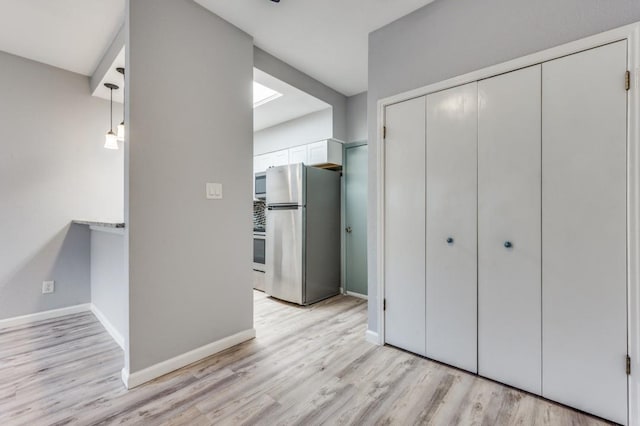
column 111, row 140
column 120, row 131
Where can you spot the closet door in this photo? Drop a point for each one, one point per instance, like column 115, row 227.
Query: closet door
column 452, row 128
column 404, row 225
column 584, row 107
column 509, row 252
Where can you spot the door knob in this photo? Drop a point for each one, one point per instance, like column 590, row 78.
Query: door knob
column 348, row 229
column 449, row 240
column 508, row 244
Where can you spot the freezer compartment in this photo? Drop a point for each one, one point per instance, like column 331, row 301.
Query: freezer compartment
column 285, row 263
column 286, row 185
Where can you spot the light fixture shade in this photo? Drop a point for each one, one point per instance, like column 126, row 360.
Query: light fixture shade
column 121, row 132
column 111, row 140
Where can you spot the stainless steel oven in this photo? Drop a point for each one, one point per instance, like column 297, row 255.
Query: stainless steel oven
column 260, row 186
column 259, row 250
column 259, row 259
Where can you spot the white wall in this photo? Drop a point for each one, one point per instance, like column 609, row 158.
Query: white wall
column 109, row 289
column 190, row 122
column 357, row 118
column 285, row 72
column 308, row 128
column 53, row 169
column 449, row 38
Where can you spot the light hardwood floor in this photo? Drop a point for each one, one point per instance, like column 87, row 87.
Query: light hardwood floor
column 307, row 366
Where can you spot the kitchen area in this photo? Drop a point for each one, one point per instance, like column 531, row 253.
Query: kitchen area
column 296, row 240
column 300, row 234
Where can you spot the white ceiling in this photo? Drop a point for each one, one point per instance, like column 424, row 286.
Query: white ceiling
column 326, row 39
column 292, row 104
column 69, row 34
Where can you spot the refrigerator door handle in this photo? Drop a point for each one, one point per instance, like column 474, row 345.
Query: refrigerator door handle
column 284, row 207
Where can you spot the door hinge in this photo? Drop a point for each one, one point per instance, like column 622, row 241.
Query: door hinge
column 628, row 365
column 384, row 132
column 627, row 80
column 384, row 304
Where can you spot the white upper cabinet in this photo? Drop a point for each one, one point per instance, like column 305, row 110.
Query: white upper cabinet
column 280, row 158
column 325, row 152
column 299, row 154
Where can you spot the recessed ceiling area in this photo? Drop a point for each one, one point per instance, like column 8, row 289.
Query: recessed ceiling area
column 327, row 39
column 68, row 34
column 113, row 76
column 292, row 104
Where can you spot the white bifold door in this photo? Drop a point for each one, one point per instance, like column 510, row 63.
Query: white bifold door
column 451, row 278
column 404, row 225
column 584, row 306
column 509, row 239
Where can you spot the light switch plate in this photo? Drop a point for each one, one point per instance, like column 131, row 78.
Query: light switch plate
column 214, row 191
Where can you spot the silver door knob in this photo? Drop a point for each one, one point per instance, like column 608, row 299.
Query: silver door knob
column 348, row 229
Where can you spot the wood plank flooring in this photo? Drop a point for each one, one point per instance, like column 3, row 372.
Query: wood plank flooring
column 307, row 366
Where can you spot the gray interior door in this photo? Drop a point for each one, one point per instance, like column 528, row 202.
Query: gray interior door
column 355, row 176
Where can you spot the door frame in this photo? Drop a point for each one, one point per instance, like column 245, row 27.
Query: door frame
column 630, row 33
column 343, row 218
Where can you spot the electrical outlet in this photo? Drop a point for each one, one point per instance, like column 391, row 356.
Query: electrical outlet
column 48, row 287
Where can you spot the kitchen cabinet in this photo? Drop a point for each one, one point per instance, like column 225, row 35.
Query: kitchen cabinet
column 509, row 172
column 404, row 226
column 299, row 154
column 451, row 273
column 279, row 158
column 326, row 152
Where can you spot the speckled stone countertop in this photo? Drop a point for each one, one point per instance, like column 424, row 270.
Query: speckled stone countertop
column 103, row 224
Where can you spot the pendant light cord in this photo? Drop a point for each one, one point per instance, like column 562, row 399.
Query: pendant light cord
column 111, row 111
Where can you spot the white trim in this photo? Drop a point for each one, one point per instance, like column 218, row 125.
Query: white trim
column 358, row 295
column 44, row 315
column 131, row 380
column 115, row 334
column 631, row 33
column 373, row 337
column 633, row 225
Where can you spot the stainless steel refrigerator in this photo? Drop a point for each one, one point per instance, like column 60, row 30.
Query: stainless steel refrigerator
column 303, row 233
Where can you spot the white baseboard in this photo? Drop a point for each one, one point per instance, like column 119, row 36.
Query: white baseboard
column 44, row 315
column 358, row 295
column 373, row 337
column 115, row 334
column 131, row 380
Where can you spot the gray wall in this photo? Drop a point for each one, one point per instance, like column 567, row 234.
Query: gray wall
column 308, row 128
column 449, row 38
column 53, row 169
column 357, row 118
column 285, row 72
column 189, row 75
column 109, row 289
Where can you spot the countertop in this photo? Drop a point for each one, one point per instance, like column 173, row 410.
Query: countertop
column 101, row 224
